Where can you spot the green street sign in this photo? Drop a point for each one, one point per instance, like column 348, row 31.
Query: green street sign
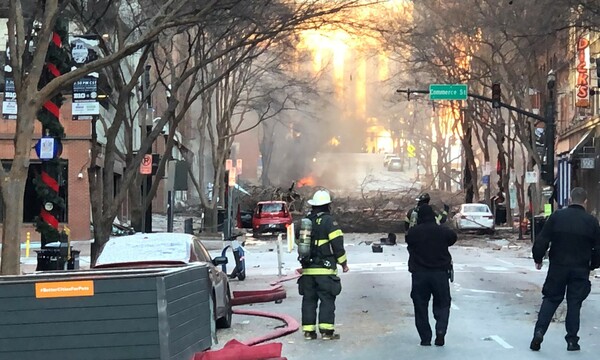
column 448, row 92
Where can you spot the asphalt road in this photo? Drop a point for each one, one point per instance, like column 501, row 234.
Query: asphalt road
column 496, row 296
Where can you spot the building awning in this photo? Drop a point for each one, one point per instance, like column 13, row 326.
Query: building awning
column 584, row 140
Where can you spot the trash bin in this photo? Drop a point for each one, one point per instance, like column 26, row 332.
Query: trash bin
column 221, row 219
column 537, row 225
column 188, row 226
column 54, row 258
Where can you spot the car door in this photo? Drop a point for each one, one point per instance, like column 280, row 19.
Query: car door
column 217, row 277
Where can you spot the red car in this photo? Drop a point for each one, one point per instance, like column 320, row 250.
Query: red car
column 270, row 217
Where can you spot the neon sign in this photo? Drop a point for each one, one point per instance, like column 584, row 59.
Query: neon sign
column 583, row 73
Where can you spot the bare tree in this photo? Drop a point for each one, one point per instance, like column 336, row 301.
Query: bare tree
column 27, row 62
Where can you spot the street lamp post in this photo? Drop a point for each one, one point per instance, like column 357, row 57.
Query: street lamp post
column 550, row 128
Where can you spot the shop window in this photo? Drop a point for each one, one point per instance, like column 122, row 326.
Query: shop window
column 31, row 204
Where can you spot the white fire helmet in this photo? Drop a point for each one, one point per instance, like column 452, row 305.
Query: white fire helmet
column 321, row 197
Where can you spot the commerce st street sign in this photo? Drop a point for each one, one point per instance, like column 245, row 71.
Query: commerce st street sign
column 448, row 92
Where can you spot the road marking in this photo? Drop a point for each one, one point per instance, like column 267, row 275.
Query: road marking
column 453, row 306
column 484, row 291
column 501, row 341
column 495, row 268
column 506, row 262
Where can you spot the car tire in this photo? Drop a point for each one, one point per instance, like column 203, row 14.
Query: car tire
column 225, row 321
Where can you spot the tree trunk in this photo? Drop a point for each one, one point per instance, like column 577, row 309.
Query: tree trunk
column 211, row 219
column 470, row 170
column 13, row 189
column 101, row 237
column 135, row 201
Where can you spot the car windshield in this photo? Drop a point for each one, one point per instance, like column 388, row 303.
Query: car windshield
column 270, row 208
column 476, row 208
column 142, row 248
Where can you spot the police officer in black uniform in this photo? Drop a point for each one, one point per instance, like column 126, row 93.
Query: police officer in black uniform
column 319, row 280
column 430, row 264
column 574, row 239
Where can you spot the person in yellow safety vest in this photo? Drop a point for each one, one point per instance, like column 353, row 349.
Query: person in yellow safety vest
column 413, row 214
column 319, row 280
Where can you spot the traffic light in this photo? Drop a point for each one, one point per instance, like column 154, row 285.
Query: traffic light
column 496, row 96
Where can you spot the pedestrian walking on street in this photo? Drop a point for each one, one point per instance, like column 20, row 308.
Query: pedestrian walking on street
column 319, row 284
column 573, row 236
column 430, row 264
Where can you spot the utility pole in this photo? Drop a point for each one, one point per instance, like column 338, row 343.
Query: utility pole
column 147, row 126
column 550, row 129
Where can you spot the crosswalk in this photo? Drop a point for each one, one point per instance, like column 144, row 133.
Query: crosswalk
column 402, row 266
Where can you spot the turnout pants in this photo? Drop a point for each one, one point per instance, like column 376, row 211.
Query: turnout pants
column 424, row 285
column 321, row 291
column 560, row 279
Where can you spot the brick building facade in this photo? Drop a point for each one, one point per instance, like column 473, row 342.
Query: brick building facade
column 74, row 186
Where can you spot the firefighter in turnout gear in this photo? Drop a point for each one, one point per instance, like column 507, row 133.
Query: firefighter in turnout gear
column 413, row 214
column 319, row 281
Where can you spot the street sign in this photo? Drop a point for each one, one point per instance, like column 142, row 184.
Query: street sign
column 513, row 197
column 487, row 168
column 531, row 177
column 228, row 164
column 485, row 180
column 238, row 166
column 410, row 148
column 146, row 165
column 448, row 92
column 232, row 177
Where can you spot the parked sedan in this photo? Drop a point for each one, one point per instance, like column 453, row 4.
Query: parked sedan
column 386, row 159
column 270, row 217
column 474, row 217
column 164, row 249
column 394, row 164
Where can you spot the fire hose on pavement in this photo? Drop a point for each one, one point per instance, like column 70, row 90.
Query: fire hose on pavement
column 276, row 294
column 251, row 349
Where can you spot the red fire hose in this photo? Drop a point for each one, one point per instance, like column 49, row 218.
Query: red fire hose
column 233, row 348
column 291, row 325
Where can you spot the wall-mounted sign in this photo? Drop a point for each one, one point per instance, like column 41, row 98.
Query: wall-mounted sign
column 583, row 72
column 587, row 163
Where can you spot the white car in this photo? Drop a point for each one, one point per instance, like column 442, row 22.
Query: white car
column 394, row 164
column 474, row 217
column 387, row 158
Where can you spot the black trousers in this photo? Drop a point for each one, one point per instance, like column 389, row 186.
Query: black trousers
column 318, row 291
column 424, row 285
column 560, row 279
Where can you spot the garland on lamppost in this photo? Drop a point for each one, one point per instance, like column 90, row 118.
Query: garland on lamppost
column 47, row 184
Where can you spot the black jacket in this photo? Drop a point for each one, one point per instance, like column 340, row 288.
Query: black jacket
column 573, row 236
column 327, row 249
column 428, row 244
